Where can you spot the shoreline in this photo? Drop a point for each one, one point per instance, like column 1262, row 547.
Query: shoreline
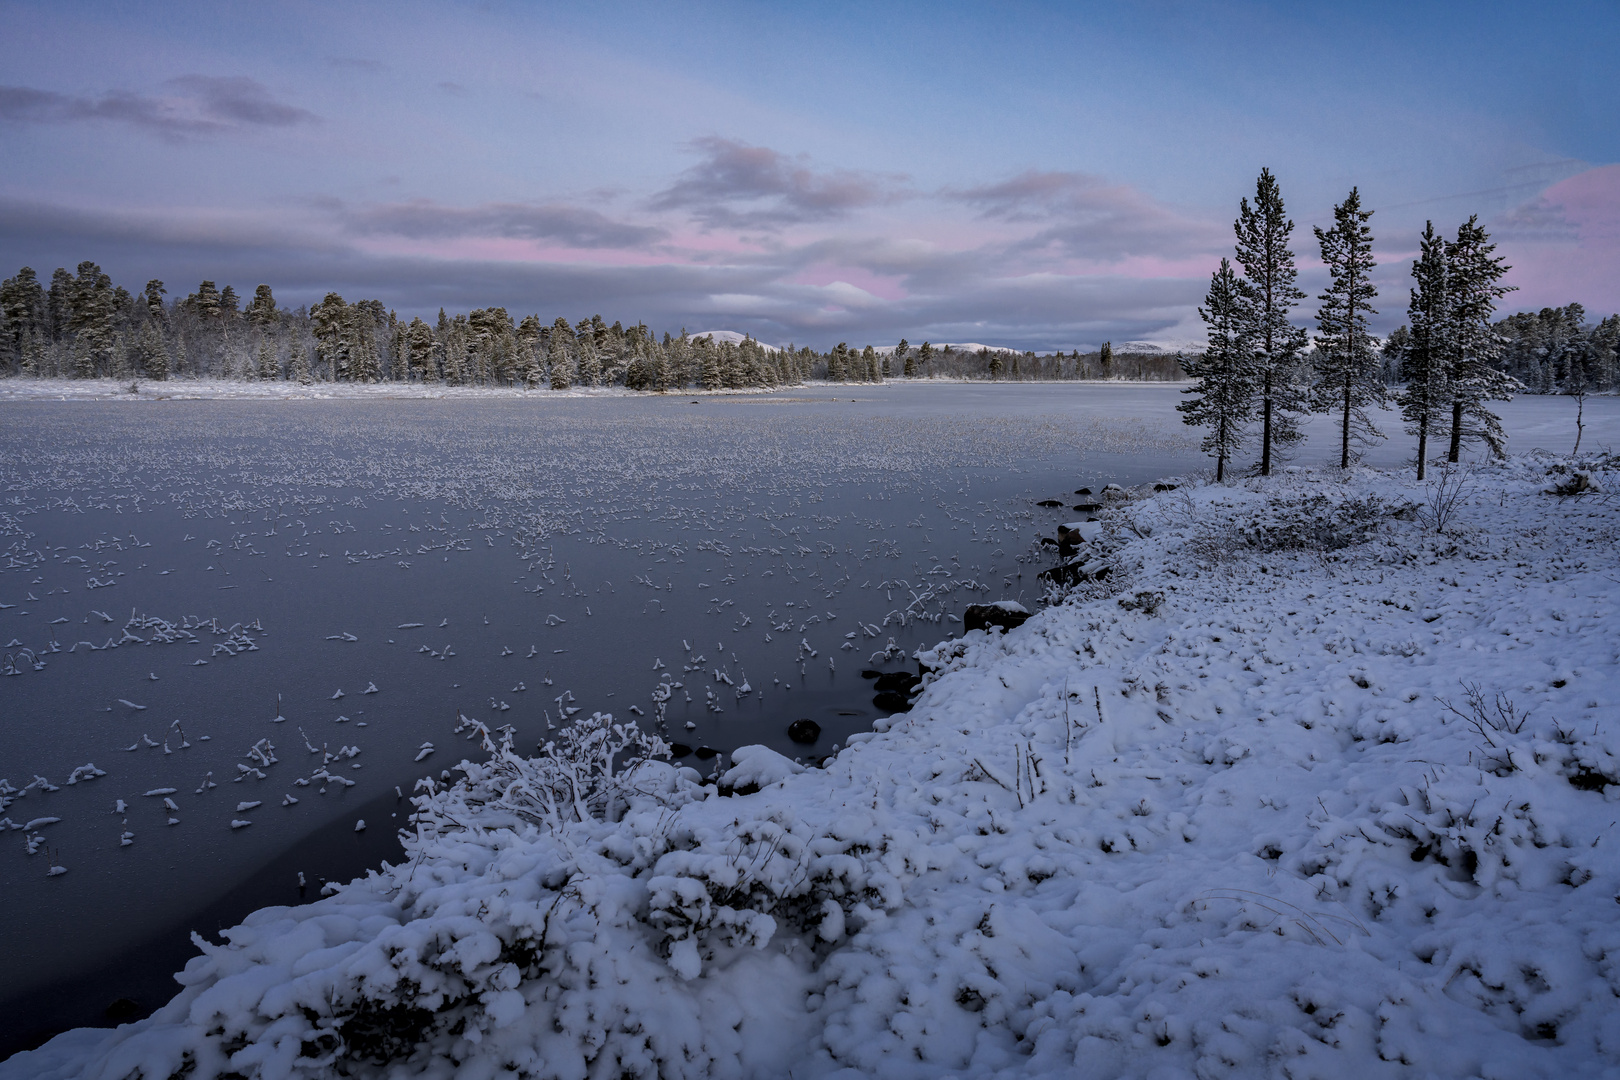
column 1252, row 796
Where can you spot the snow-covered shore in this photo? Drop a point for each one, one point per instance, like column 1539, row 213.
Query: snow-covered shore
column 1229, row 812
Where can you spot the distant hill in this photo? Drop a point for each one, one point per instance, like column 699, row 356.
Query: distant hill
column 731, row 336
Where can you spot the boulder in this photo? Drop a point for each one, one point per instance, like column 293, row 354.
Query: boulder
column 679, row 750
column 891, row 702
column 1087, row 507
column 1049, row 502
column 1074, row 572
column 871, row 673
column 804, row 732
column 704, row 753
column 755, row 767
column 1006, row 614
column 1162, row 486
column 896, row 681
column 1083, row 491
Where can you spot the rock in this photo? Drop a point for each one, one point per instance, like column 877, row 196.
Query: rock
column 871, row 673
column 1049, row 502
column 679, row 750
column 704, row 753
column 1006, row 614
column 804, row 732
column 892, row 702
column 1075, row 572
column 755, row 767
column 896, row 681
column 1161, row 486
column 1087, row 507
column 124, row 1011
column 1083, row 491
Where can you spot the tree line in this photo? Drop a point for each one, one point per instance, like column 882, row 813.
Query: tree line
column 1260, row 373
column 82, row 326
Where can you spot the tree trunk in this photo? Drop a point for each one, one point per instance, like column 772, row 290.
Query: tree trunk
column 1265, row 436
column 1456, row 433
column 1423, row 445
column 1344, row 440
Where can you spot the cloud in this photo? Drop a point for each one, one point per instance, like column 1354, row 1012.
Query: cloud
column 355, row 63
column 736, row 185
column 195, row 105
column 571, row 226
column 1086, row 217
column 452, row 88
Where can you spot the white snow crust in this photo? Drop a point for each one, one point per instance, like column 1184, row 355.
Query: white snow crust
column 1229, row 830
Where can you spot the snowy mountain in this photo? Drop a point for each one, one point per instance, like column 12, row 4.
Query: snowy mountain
column 731, row 336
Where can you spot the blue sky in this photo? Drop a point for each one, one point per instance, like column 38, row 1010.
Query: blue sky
column 1040, row 175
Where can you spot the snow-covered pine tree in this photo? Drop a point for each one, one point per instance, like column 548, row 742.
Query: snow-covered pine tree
column 902, row 356
column 1268, row 283
column 300, row 364
column 1224, row 392
column 925, row 354
column 709, row 373
column 1347, row 367
column 528, row 338
column 151, row 358
column 1425, row 399
column 90, row 321
column 268, row 368
column 22, row 309
column 1476, row 344
column 261, row 311
column 1105, row 358
column 418, row 342
column 870, row 361
column 562, row 363
column 327, row 320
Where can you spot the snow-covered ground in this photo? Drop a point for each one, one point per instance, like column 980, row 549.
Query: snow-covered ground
column 1306, row 787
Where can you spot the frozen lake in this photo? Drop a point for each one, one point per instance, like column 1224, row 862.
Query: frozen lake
column 273, row 612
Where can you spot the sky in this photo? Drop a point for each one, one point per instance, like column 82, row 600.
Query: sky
column 1035, row 175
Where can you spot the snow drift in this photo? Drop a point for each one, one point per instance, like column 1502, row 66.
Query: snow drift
column 1306, row 787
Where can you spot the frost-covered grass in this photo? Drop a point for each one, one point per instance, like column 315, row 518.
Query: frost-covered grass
column 1341, row 803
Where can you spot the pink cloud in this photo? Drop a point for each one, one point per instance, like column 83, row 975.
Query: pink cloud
column 1564, row 245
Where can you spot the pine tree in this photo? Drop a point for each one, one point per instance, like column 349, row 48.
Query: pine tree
column 300, row 366
column 528, row 338
column 925, row 353
column 709, row 374
column 419, row 350
column 562, row 364
column 153, row 294
column 903, row 357
column 1347, row 365
column 205, row 301
column 261, row 312
column 329, row 321
column 870, row 360
column 1105, row 358
column 268, row 368
column 1425, row 398
column 1224, row 392
column 1268, row 284
column 151, row 359
column 90, row 321
column 1476, row 344
column 22, row 314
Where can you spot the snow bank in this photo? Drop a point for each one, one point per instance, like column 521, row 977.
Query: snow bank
column 1341, row 803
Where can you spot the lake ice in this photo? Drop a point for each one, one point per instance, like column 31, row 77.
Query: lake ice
column 200, row 595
